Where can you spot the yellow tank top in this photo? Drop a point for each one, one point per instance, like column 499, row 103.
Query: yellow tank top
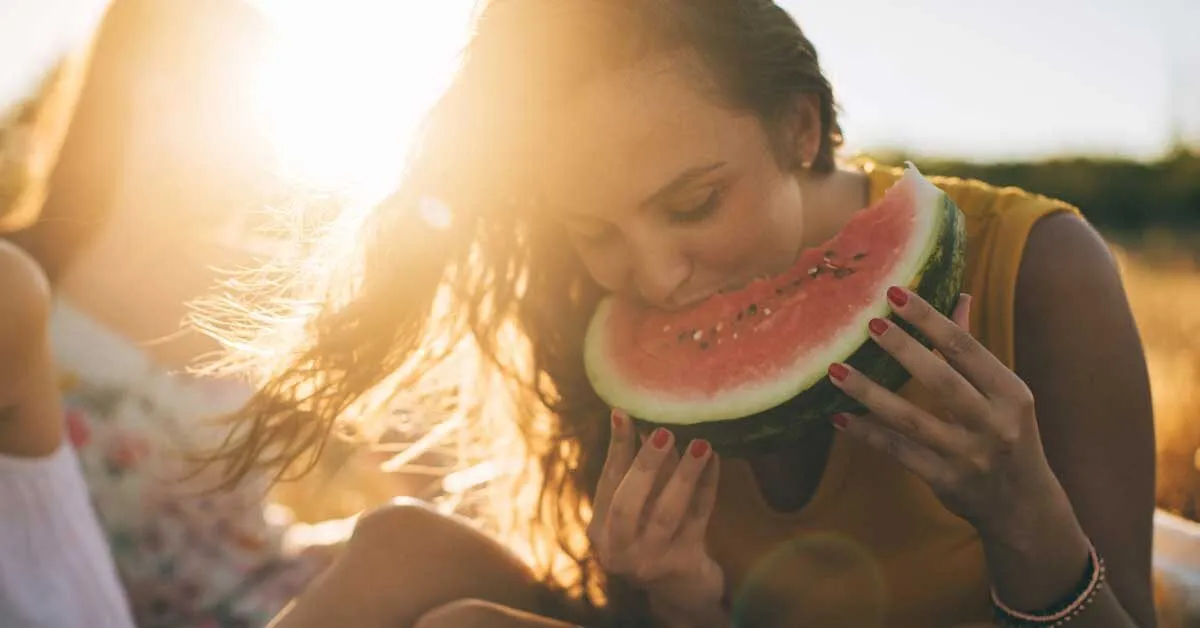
column 874, row 546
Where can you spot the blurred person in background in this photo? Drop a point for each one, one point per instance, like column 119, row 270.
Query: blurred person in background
column 162, row 155
column 989, row 488
column 56, row 569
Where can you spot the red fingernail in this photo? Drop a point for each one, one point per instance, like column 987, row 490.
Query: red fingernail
column 877, row 326
column 660, row 438
column 838, row 371
column 699, row 448
column 618, row 419
column 840, row 420
column 897, row 296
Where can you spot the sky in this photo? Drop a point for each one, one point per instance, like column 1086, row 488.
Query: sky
column 1013, row 79
column 1023, row 79
column 34, row 34
column 965, row 78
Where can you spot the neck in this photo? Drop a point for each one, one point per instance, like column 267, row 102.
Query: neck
column 830, row 200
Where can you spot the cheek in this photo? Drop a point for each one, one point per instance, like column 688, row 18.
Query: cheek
column 607, row 265
column 759, row 233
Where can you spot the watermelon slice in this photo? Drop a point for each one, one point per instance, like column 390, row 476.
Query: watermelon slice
column 749, row 367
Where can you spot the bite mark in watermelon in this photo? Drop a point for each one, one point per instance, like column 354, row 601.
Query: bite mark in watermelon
column 746, row 367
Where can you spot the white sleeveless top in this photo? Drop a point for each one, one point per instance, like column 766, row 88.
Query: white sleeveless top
column 56, row 570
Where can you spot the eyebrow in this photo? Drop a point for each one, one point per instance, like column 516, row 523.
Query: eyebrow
column 686, row 177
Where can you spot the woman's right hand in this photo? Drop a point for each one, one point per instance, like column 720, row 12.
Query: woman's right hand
column 649, row 520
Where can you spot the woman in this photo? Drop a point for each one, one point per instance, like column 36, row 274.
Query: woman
column 157, row 158
column 559, row 150
column 55, row 567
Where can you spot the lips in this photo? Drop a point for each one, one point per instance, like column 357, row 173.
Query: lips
column 704, row 295
column 699, row 296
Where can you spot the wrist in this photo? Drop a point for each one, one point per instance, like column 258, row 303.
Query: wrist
column 1036, row 553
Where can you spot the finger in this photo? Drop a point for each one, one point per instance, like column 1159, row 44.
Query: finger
column 695, row 526
column 621, row 449
column 665, row 472
column 961, row 317
column 669, row 510
column 914, row 456
column 628, row 501
column 962, row 312
column 895, row 412
column 953, row 392
column 955, row 343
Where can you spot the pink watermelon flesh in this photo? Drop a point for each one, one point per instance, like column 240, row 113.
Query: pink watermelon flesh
column 733, row 340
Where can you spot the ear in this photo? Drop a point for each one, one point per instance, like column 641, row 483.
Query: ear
column 802, row 129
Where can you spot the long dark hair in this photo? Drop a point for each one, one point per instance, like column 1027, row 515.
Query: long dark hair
column 415, row 300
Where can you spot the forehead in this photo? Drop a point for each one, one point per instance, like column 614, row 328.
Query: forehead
column 628, row 133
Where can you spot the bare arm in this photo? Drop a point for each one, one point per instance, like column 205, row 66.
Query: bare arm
column 1045, row 459
column 1078, row 350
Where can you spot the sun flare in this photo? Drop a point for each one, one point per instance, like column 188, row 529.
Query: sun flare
column 346, row 83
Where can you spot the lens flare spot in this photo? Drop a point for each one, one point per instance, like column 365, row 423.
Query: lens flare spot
column 436, row 214
column 817, row 579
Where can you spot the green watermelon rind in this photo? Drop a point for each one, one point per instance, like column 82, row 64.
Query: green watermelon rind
column 808, row 399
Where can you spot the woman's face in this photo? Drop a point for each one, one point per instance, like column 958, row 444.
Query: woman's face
column 668, row 196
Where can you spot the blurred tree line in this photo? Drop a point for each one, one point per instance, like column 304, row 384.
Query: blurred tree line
column 1117, row 195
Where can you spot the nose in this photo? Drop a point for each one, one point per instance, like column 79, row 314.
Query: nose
column 659, row 268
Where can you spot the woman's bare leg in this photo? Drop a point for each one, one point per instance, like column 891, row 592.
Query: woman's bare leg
column 468, row 613
column 405, row 561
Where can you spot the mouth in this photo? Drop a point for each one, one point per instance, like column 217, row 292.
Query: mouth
column 704, row 295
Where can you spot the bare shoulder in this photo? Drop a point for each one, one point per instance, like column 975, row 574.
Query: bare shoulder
column 1078, row 349
column 24, row 315
column 29, row 404
column 24, row 302
column 1063, row 250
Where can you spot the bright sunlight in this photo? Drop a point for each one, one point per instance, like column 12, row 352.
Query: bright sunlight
column 346, row 83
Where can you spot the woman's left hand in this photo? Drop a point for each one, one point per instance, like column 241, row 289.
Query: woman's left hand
column 982, row 456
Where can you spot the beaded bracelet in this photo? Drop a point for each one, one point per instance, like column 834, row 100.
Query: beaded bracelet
column 1060, row 613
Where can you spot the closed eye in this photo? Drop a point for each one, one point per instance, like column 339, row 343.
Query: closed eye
column 706, row 208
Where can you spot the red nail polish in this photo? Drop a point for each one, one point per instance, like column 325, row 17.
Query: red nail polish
column 877, row 326
column 618, row 419
column 840, row 420
column 660, row 438
column 838, row 371
column 897, row 296
column 699, row 448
